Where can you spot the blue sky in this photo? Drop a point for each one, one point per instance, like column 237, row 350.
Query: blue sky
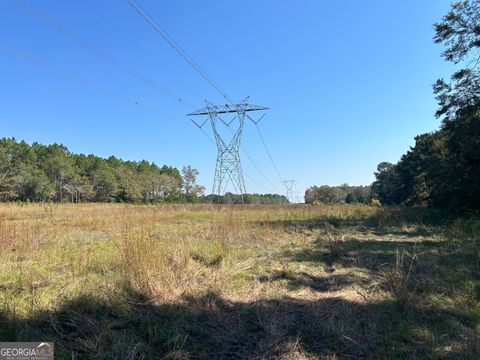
column 348, row 82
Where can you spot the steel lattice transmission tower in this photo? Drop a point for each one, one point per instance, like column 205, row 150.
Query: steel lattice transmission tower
column 289, row 186
column 228, row 168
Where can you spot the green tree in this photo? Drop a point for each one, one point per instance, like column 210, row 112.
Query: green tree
column 460, row 188
column 338, row 194
column 39, row 173
column 459, row 31
column 34, row 185
column 191, row 190
column 350, row 198
column 385, row 187
column 104, row 185
column 130, row 187
column 7, row 172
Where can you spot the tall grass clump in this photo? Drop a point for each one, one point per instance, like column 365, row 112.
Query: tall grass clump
column 19, row 239
column 169, row 266
column 399, row 278
column 154, row 265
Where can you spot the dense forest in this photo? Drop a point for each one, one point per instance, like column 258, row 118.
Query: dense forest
column 442, row 169
column 52, row 173
column 38, row 173
column 338, row 194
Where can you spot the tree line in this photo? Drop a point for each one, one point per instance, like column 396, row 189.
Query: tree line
column 41, row 173
column 52, row 173
column 338, row 194
column 442, row 169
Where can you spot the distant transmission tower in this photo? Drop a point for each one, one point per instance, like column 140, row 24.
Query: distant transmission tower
column 228, row 168
column 290, row 193
column 297, row 197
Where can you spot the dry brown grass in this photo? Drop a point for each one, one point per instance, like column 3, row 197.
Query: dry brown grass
column 264, row 282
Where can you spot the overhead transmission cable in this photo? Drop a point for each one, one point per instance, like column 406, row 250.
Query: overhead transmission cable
column 123, row 33
column 257, row 183
column 141, row 11
column 258, row 169
column 246, row 175
column 97, row 87
column 87, row 83
column 254, row 164
column 81, row 80
column 170, row 41
column 81, row 40
column 163, row 33
column 230, row 68
column 212, row 41
column 112, row 93
column 144, row 14
column 268, row 153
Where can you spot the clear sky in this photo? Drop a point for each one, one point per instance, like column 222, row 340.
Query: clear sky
column 348, row 82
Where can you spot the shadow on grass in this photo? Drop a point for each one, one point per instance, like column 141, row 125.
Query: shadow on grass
column 382, row 219
column 130, row 326
column 372, row 239
column 317, row 283
column 369, row 254
column 432, row 267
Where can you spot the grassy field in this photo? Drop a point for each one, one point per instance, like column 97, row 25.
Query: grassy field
column 247, row 282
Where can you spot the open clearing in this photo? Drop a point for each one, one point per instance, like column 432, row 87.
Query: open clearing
column 261, row 282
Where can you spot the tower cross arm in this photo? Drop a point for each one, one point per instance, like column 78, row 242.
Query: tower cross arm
column 228, row 168
column 223, row 109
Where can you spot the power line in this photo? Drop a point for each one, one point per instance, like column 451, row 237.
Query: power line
column 84, row 82
column 222, row 56
column 258, row 169
column 212, row 41
column 257, row 183
column 87, row 83
column 170, row 41
column 246, row 175
column 274, row 187
column 103, row 89
column 81, row 40
column 95, row 86
column 268, row 153
column 255, row 164
column 123, row 33
column 163, row 33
